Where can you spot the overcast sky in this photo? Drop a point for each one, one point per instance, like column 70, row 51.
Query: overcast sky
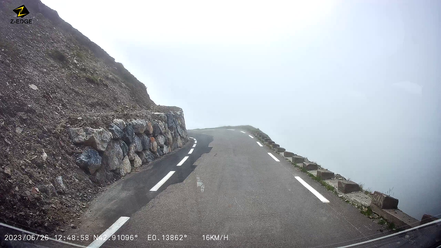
column 354, row 85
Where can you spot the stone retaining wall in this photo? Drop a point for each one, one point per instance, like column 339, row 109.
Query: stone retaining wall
column 113, row 151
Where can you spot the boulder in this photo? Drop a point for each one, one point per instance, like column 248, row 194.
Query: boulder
column 149, row 129
column 274, row 146
column 113, row 156
column 146, row 156
column 126, row 167
column 59, row 185
column 181, row 132
column 131, row 153
column 384, row 201
column 90, row 160
column 166, row 149
column 162, row 127
column 168, row 138
column 179, row 142
column 161, row 140
column 120, row 123
column 156, row 129
column 145, row 141
column 154, row 147
column 309, row 165
column 159, row 152
column 124, row 147
column 138, row 143
column 345, row 186
column 139, row 126
column 129, row 134
column 325, row 175
column 78, row 135
column 171, row 124
column 96, row 138
column 137, row 161
column 117, row 132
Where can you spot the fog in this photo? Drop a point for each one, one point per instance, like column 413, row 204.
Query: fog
column 354, row 85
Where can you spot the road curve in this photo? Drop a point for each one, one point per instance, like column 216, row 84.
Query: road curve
column 241, row 194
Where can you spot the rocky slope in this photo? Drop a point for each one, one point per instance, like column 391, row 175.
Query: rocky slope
column 72, row 120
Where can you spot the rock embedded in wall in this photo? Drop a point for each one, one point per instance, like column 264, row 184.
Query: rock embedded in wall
column 90, row 160
column 129, row 134
column 139, row 126
column 117, row 132
column 131, row 142
column 96, row 138
column 113, row 156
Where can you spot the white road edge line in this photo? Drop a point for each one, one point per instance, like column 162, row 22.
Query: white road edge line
column 194, row 146
column 242, row 131
column 160, row 183
column 392, row 235
column 183, row 161
column 251, row 136
column 109, row 232
column 315, row 192
column 273, row 157
column 191, row 151
column 259, row 143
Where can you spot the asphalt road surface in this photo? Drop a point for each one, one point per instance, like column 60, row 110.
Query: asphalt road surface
column 229, row 193
column 224, row 189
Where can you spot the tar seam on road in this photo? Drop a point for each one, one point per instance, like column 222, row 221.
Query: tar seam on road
column 251, row 136
column 183, row 161
column 109, row 232
column 259, row 143
column 273, row 157
column 191, row 151
column 160, row 183
column 315, row 192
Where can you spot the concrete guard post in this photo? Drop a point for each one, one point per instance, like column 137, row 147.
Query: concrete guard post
column 346, row 186
column 325, row 175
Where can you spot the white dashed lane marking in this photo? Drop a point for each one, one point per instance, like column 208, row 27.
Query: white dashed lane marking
column 251, row 136
column 273, row 157
column 194, row 146
column 109, row 232
column 191, row 151
column 315, row 192
column 183, row 161
column 160, row 183
column 242, row 131
column 259, row 143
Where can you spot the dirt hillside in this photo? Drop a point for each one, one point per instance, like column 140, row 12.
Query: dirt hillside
column 52, row 77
